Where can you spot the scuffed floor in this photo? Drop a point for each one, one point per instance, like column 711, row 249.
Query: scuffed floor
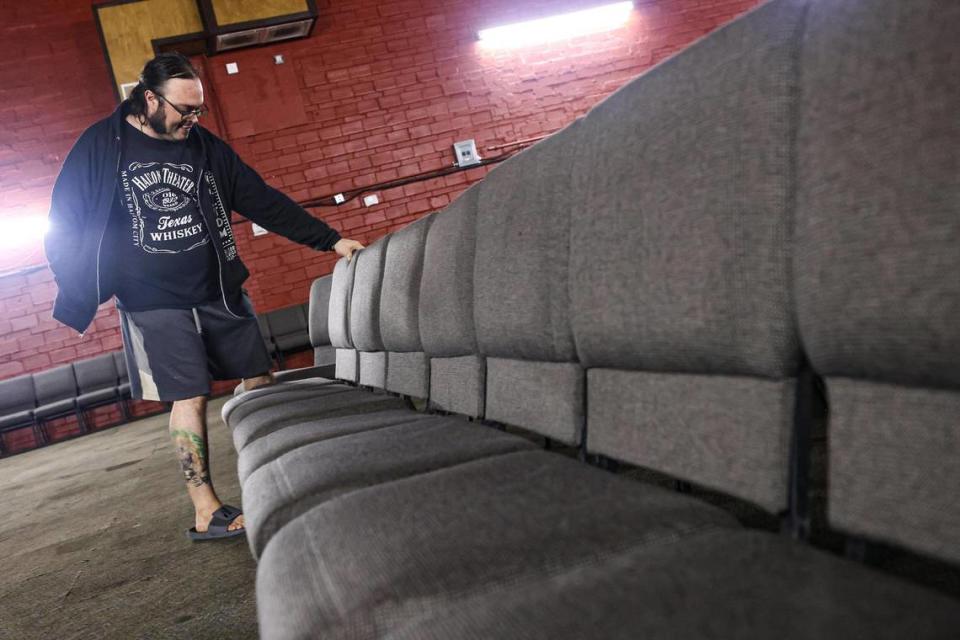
column 92, row 542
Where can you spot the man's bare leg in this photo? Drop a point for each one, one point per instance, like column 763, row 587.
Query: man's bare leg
column 188, row 430
column 258, row 381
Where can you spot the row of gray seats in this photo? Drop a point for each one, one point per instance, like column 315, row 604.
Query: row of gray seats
column 32, row 400
column 660, row 284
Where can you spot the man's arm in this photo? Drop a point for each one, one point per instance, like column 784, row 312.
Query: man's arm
column 273, row 210
column 71, row 193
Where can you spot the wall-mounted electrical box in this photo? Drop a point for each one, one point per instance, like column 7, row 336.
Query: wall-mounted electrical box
column 466, row 151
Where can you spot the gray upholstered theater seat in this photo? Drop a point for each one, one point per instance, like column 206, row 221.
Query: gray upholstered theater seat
column 364, row 314
column 318, row 321
column 56, row 396
column 262, row 416
column 288, row 328
column 521, row 294
column 877, row 266
column 401, row 550
column 680, row 273
column 97, row 381
column 338, row 321
column 457, row 371
column 18, row 399
column 722, row 584
column 264, row 450
column 408, row 367
column 324, row 354
column 291, row 485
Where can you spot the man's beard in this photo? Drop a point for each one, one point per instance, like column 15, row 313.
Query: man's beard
column 158, row 121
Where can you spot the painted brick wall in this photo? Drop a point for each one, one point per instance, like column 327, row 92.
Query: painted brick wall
column 380, row 91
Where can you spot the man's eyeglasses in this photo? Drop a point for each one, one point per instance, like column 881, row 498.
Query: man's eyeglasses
column 184, row 113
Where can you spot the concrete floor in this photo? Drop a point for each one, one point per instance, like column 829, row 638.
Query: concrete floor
column 92, row 541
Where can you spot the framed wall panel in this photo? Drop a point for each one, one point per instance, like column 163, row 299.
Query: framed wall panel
column 128, row 29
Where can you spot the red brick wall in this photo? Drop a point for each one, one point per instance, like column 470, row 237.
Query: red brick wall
column 380, row 91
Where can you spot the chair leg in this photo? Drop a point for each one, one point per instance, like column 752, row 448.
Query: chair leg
column 40, row 433
column 125, row 409
column 82, row 421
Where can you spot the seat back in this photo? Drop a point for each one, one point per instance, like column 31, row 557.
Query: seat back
column 338, row 319
column 55, row 384
column 365, row 313
column 680, row 264
column 521, row 294
column 288, row 328
column 877, row 266
column 447, row 329
column 318, row 320
column 96, row 373
column 17, row 394
column 408, row 367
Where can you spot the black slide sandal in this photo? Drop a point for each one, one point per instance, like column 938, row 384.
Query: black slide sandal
column 217, row 529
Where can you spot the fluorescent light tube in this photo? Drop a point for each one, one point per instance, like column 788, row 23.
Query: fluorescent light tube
column 561, row 27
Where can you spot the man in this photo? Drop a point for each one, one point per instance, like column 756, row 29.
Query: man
column 141, row 211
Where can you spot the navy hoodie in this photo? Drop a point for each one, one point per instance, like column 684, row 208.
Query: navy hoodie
column 85, row 192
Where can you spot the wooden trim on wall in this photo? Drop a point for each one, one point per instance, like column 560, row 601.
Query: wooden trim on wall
column 159, row 44
column 114, row 85
column 214, row 29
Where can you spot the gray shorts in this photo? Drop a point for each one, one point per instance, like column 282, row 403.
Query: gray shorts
column 173, row 354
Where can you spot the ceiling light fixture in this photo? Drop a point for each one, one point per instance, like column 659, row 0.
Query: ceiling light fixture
column 568, row 25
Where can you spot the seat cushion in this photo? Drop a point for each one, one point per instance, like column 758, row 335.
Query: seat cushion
column 321, row 374
column 272, row 446
column 293, row 341
column 368, row 560
column 20, row 418
column 722, row 584
column 101, row 396
column 17, row 394
column 276, row 417
column 292, row 484
column 238, row 407
column 57, row 408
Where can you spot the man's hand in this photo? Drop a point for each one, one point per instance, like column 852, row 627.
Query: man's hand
column 345, row 247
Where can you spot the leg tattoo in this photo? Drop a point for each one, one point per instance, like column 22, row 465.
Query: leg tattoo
column 192, row 453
